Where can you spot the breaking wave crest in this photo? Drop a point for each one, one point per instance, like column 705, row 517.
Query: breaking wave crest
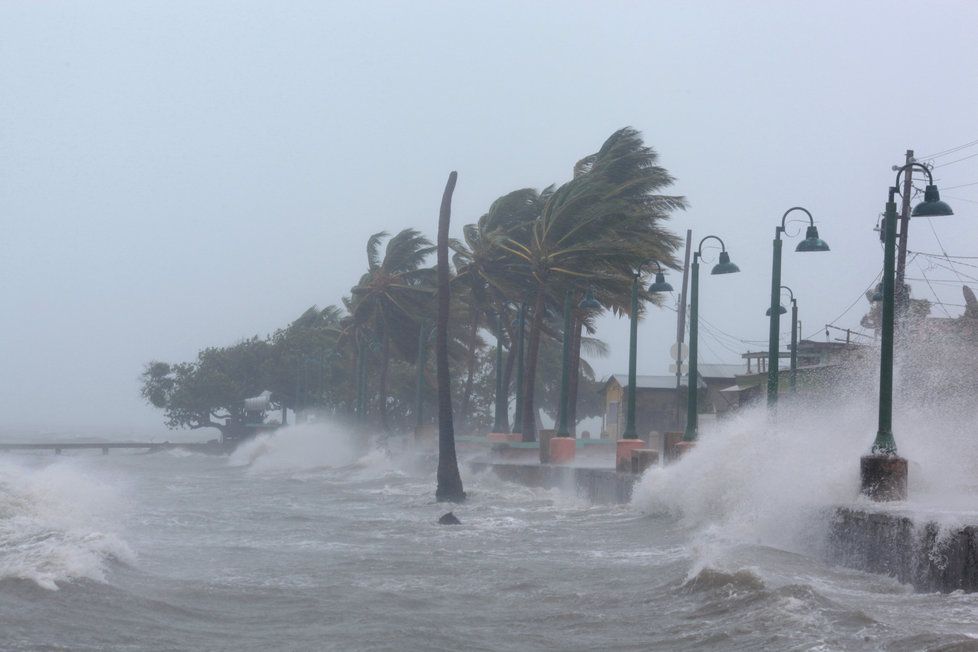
column 54, row 528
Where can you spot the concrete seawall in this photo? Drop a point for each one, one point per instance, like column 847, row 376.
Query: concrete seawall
column 908, row 546
column 601, row 486
column 911, row 548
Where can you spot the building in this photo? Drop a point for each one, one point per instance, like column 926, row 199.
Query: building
column 657, row 407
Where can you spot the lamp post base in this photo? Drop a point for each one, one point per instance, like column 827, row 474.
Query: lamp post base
column 643, row 459
column 883, row 477
column 681, row 448
column 623, row 453
column 562, row 450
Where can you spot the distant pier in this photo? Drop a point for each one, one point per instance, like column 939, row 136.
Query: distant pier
column 212, row 447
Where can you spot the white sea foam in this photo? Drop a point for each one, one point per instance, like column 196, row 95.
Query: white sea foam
column 755, row 479
column 56, row 525
column 297, row 448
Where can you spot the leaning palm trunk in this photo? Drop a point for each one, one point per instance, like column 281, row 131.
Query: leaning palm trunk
column 529, row 378
column 449, row 481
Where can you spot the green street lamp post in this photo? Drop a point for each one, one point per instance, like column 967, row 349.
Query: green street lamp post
column 501, row 421
column 883, row 473
column 811, row 243
column 692, row 383
column 520, row 337
column 794, row 336
column 659, row 285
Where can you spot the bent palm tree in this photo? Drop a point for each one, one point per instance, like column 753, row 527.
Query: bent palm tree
column 596, row 229
column 449, row 481
column 390, row 299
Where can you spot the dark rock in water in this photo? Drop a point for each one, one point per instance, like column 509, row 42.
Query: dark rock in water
column 449, row 519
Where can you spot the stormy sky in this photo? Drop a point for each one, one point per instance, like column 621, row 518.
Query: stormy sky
column 175, row 175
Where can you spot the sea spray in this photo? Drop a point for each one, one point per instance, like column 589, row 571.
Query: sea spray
column 57, row 524
column 300, row 447
column 774, row 479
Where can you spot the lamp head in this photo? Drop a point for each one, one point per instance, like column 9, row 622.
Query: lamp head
column 932, row 206
column 589, row 303
column 724, row 266
column 781, row 310
column 812, row 242
column 660, row 284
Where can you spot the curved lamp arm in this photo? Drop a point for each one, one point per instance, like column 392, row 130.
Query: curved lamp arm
column 910, row 166
column 784, row 218
column 699, row 250
column 790, row 293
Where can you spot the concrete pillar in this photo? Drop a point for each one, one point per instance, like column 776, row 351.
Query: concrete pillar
column 562, row 450
column 681, row 448
column 643, row 458
column 669, row 447
column 105, row 450
column 884, row 477
column 623, row 453
column 544, row 437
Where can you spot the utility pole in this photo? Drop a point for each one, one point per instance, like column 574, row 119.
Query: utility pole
column 681, row 327
column 902, row 296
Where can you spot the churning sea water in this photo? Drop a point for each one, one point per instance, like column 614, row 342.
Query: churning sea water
column 298, row 541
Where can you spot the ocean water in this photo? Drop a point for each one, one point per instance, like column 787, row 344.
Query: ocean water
column 303, row 541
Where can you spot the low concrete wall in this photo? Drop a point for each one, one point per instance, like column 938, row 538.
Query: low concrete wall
column 603, row 486
column 913, row 552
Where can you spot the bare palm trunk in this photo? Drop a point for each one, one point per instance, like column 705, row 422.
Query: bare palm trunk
column 449, row 481
column 575, row 374
column 529, row 414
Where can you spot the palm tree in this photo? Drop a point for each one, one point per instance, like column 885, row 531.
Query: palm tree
column 477, row 260
column 449, row 486
column 596, row 229
column 390, row 299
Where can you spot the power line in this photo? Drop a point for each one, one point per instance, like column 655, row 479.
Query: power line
column 862, row 295
column 933, row 291
column 921, row 253
column 941, row 281
column 951, row 150
column 956, row 273
column 958, row 160
column 970, row 201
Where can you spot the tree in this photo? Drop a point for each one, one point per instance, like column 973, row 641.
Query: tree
column 449, row 481
column 477, row 261
column 390, row 300
column 597, row 230
column 209, row 392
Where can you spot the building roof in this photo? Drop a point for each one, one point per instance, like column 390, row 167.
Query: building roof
column 730, row 371
column 648, row 382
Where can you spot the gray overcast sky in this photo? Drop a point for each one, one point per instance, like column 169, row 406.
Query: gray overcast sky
column 181, row 174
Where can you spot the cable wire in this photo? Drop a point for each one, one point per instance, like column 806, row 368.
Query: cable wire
column 950, row 150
